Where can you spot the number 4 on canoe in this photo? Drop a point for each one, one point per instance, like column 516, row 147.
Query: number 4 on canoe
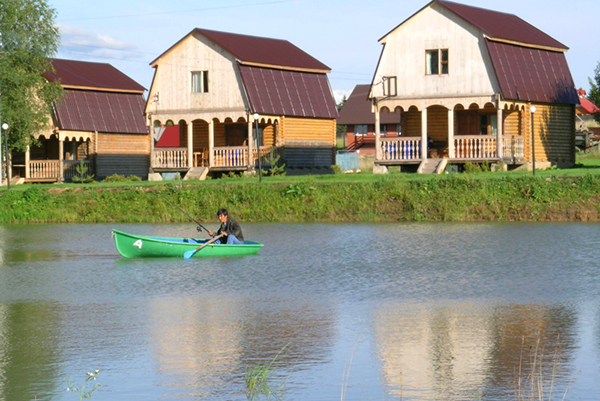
column 191, row 253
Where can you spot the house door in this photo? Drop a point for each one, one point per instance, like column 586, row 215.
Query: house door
column 236, row 134
column 468, row 122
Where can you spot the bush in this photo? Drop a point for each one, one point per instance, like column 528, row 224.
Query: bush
column 120, row 178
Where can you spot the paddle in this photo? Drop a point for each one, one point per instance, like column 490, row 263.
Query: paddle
column 191, row 253
column 183, row 211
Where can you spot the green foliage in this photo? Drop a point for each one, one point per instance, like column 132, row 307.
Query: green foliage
column 82, row 175
column 336, row 169
column 472, row 168
column 275, row 168
column 80, row 391
column 121, row 178
column 594, row 95
column 30, row 37
column 299, row 190
column 259, row 380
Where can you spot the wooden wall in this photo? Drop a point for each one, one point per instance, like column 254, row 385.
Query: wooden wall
column 437, row 123
column 123, row 154
column 554, row 128
column 309, row 142
column 512, row 122
column 411, row 123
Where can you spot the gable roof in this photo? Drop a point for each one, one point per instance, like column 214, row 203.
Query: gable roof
column 259, row 51
column 502, row 26
column 357, row 109
column 83, row 110
column 88, row 75
column 288, row 93
column 586, row 104
column 496, row 25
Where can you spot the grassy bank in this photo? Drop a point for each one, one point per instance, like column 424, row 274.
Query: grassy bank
column 554, row 195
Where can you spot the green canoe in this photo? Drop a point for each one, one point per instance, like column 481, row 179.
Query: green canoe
column 141, row 246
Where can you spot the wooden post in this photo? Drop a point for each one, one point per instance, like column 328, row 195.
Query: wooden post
column 424, row 133
column 190, row 144
column 151, row 146
column 378, row 155
column 27, row 157
column 250, row 143
column 451, row 133
column 499, row 129
column 60, row 159
column 211, row 143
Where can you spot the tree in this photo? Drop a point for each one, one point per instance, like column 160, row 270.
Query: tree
column 594, row 95
column 29, row 39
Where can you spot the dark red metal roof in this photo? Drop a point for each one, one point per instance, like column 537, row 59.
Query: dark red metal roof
column 530, row 74
column 288, row 93
column 501, row 25
column 357, row 109
column 91, row 75
column 101, row 111
column 258, row 50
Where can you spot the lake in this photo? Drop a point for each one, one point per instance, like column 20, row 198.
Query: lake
column 449, row 311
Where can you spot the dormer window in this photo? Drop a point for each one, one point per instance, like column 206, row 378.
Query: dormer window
column 436, row 62
column 199, row 81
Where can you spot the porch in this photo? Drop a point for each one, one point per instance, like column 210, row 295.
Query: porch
column 462, row 149
column 48, row 170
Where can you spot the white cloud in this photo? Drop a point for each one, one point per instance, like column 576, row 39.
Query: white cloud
column 77, row 40
column 339, row 94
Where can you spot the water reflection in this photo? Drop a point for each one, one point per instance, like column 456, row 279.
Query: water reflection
column 413, row 311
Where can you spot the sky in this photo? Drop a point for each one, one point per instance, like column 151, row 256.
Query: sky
column 344, row 35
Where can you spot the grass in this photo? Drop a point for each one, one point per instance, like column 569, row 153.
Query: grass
column 552, row 195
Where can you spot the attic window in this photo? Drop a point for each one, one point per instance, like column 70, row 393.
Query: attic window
column 389, row 86
column 199, row 81
column 436, row 61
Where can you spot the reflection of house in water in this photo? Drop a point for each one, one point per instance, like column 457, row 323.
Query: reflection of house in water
column 456, row 352
column 201, row 343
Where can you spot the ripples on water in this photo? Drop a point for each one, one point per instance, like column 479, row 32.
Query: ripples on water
column 411, row 311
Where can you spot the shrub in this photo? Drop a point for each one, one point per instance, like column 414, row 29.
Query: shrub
column 121, row 178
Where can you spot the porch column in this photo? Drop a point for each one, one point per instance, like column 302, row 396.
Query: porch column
column 250, row 143
column 27, row 158
column 377, row 134
column 499, row 133
column 190, row 144
column 60, row 160
column 424, row 133
column 151, row 146
column 211, row 143
column 451, row 133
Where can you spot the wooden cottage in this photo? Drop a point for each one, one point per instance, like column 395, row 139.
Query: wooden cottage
column 210, row 85
column 466, row 81
column 99, row 121
column 359, row 122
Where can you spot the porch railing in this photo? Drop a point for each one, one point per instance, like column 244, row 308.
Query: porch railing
column 513, row 146
column 474, row 147
column 175, row 158
column 401, row 148
column 230, row 156
column 265, row 152
column 44, row 169
column 70, row 168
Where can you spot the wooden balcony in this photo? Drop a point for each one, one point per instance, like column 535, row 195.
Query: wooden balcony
column 407, row 149
column 170, row 159
column 475, row 147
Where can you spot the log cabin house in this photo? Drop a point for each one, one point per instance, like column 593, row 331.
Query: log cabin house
column 465, row 79
column 99, row 121
column 359, row 122
column 211, row 84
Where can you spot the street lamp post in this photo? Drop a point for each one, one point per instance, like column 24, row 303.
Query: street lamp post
column 532, row 110
column 258, row 141
column 5, row 128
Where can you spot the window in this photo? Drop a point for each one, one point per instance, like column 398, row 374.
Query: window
column 200, row 82
column 398, row 129
column 389, row 86
column 488, row 124
column 360, row 130
column 436, row 61
column 383, row 129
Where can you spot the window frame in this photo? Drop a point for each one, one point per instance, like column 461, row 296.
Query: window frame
column 442, row 62
column 200, row 85
column 390, row 86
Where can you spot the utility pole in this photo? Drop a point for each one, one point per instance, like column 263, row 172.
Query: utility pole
column 1, row 120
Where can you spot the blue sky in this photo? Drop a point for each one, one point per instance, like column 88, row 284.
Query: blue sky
column 129, row 34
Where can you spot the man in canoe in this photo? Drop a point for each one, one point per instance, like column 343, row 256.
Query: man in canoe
column 229, row 228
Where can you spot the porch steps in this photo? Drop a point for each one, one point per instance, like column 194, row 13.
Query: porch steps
column 196, row 173
column 432, row 166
